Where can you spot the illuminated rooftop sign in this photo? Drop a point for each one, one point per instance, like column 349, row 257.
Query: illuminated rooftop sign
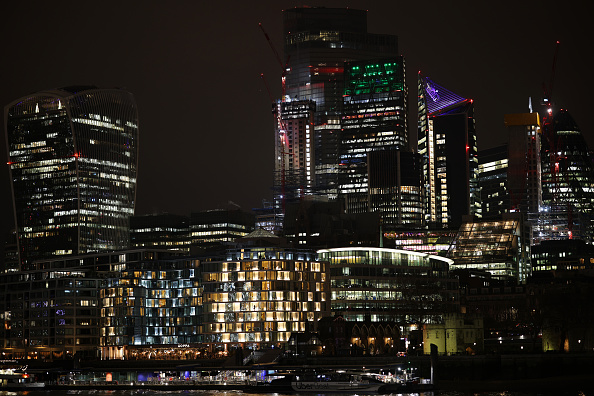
column 438, row 98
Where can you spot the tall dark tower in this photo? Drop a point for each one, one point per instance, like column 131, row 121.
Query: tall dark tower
column 318, row 42
column 374, row 157
column 524, row 173
column 447, row 141
column 567, row 181
column 73, row 155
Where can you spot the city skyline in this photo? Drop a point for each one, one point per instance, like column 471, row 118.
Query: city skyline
column 183, row 62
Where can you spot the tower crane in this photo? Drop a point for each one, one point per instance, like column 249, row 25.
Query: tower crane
column 549, row 132
column 280, row 124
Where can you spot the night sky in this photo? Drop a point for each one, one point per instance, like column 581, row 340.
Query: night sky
column 206, row 129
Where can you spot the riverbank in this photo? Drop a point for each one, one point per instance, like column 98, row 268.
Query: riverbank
column 558, row 384
column 148, row 386
column 527, row 372
column 550, row 385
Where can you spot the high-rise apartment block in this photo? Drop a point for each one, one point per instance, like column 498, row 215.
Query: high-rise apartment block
column 294, row 167
column 447, row 141
column 73, row 162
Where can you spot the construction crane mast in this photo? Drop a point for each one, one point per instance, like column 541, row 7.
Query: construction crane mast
column 282, row 130
column 554, row 156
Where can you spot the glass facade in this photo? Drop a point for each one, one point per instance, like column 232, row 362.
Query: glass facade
column 153, row 302
column 162, row 231
column 493, row 167
column 215, row 229
column 498, row 247
column 318, row 41
column 567, row 181
column 294, row 151
column 73, row 162
column 524, row 171
column 374, row 123
column 395, row 188
column 390, row 285
column 562, row 255
column 98, row 305
column 447, row 142
column 435, row 242
column 259, row 296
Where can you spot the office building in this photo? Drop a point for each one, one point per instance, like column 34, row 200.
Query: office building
column 500, row 247
column 394, row 180
column 318, row 41
column 567, row 181
column 259, row 296
column 269, row 217
column 218, row 229
column 377, row 173
column 524, row 172
column 493, row 180
column 447, row 142
column 125, row 304
column 73, row 162
column 390, row 285
column 435, row 242
column 151, row 308
column 562, row 255
column 319, row 223
column 160, row 231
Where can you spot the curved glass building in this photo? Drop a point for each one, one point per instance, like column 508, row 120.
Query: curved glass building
column 390, row 285
column 73, row 157
column 567, row 181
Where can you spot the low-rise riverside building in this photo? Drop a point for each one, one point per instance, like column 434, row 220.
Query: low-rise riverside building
column 100, row 305
column 259, row 296
column 390, row 285
column 458, row 334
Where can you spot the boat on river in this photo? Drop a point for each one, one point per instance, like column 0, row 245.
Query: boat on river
column 336, row 381
column 326, row 381
column 15, row 377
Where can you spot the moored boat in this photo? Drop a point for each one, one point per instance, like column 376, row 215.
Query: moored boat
column 16, row 378
column 339, row 381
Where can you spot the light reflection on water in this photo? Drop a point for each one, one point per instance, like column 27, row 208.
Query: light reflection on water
column 149, row 392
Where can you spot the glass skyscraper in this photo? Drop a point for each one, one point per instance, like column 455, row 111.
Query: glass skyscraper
column 447, row 142
column 73, row 162
column 374, row 132
column 318, row 42
column 567, row 181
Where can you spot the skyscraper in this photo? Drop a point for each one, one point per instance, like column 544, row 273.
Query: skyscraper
column 374, row 132
column 493, row 179
column 567, row 180
column 447, row 141
column 294, row 167
column 523, row 174
column 73, row 162
column 318, row 41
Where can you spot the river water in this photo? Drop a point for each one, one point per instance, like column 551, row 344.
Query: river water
column 144, row 392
